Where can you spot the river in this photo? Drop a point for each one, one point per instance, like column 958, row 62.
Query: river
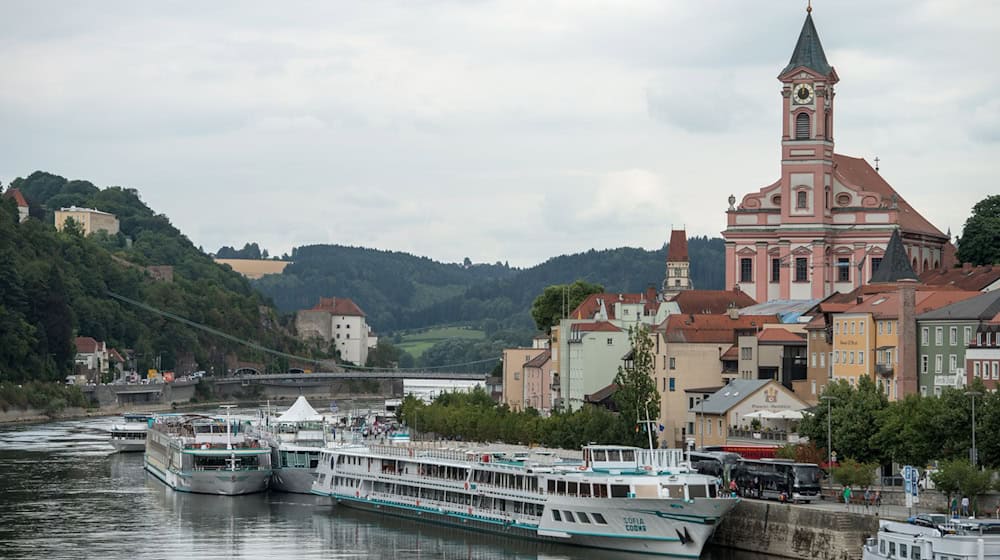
column 64, row 494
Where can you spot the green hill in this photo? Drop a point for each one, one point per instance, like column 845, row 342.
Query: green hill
column 400, row 291
column 54, row 286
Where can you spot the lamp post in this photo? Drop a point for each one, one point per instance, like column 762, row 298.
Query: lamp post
column 702, row 427
column 973, row 394
column 829, row 440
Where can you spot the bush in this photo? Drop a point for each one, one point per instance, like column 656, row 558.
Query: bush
column 853, row 473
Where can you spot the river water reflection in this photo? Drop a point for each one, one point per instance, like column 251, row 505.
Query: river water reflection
column 63, row 494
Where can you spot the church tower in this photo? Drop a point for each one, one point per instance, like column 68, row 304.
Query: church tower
column 825, row 224
column 807, row 131
column 678, row 276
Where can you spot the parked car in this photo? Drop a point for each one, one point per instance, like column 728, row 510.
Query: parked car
column 932, row 520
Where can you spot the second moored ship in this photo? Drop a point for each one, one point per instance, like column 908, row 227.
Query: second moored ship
column 206, row 455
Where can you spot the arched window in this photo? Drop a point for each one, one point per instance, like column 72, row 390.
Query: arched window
column 801, row 199
column 914, row 264
column 802, row 126
column 826, row 128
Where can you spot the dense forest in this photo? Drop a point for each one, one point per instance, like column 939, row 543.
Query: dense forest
column 54, row 286
column 400, row 291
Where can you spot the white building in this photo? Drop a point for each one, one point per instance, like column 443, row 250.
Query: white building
column 341, row 322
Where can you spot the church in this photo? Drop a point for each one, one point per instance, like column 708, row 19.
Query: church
column 824, row 225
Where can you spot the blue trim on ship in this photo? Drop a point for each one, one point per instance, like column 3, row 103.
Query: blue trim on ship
column 527, row 527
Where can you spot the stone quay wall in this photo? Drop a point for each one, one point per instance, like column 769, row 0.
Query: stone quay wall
column 795, row 532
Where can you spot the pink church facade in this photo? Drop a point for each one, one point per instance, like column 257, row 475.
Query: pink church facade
column 823, row 226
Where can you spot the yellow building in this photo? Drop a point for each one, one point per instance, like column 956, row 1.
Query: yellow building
column 90, row 220
column 853, row 345
column 255, row 268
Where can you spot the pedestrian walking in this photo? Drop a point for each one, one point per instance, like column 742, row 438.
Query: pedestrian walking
column 965, row 506
column 847, row 497
column 868, row 497
column 878, row 501
column 954, row 506
column 733, row 488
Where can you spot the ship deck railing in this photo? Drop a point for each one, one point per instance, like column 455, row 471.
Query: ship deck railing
column 499, row 456
column 453, row 507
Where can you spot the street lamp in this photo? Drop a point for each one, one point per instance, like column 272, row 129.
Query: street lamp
column 829, row 440
column 973, row 394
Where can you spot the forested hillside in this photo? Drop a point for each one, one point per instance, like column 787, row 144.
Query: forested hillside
column 401, row 291
column 54, row 286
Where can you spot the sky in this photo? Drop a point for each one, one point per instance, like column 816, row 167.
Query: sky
column 498, row 131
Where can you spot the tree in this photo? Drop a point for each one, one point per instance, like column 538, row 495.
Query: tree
column 856, row 418
column 960, row 477
column 637, row 398
column 802, row 453
column 558, row 300
column 980, row 242
column 853, row 473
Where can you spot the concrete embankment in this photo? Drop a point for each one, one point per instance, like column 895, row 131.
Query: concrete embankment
column 795, row 531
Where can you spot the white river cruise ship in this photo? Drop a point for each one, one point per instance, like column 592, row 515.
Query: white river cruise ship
column 615, row 497
column 206, row 455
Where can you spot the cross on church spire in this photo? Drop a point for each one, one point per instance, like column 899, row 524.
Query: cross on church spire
column 876, row 163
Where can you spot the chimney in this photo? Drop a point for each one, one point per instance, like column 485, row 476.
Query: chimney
column 907, row 375
column 733, row 312
column 651, row 293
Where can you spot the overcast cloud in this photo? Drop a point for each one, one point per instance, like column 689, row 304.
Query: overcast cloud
column 509, row 131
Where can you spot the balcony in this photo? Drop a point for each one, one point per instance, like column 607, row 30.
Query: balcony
column 885, row 370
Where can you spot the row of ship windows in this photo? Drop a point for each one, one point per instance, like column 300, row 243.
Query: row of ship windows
column 580, row 516
column 902, row 550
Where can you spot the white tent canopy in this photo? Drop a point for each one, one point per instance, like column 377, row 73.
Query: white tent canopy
column 757, row 414
column 786, row 415
column 300, row 411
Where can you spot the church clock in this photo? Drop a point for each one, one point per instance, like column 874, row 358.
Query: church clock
column 803, row 94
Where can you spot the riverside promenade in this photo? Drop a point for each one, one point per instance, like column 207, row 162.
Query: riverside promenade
column 825, row 529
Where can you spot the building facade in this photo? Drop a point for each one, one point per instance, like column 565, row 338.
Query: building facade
column 90, row 220
column 540, row 389
column 824, row 225
column 982, row 359
column 514, row 361
column 727, row 416
column 678, row 277
column 950, row 343
column 340, row 322
column 20, row 202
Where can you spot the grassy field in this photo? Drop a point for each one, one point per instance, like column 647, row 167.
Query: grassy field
column 417, row 342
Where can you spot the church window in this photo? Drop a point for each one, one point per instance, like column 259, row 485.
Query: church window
column 776, row 200
column 746, row 270
column 843, row 199
column 775, row 270
column 802, row 126
column 843, row 270
column 875, row 262
column 826, row 128
column 801, row 199
column 801, row 269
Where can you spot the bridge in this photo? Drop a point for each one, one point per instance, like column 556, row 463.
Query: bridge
column 244, row 375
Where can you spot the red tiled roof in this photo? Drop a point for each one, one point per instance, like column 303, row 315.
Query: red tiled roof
column 710, row 328
column 539, row 360
column 966, row 278
column 678, row 249
column 589, row 307
column 85, row 345
column 711, row 301
column 857, row 172
column 599, row 326
column 17, row 196
column 886, row 305
column 601, row 394
column 732, row 354
column 817, row 322
column 338, row 306
column 780, row 336
column 114, row 354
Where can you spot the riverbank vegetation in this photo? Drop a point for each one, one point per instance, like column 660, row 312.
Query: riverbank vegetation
column 55, row 285
column 49, row 398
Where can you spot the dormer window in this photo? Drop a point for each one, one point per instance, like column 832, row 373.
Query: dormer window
column 802, row 126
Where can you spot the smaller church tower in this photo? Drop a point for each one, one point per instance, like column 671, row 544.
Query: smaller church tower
column 678, row 276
